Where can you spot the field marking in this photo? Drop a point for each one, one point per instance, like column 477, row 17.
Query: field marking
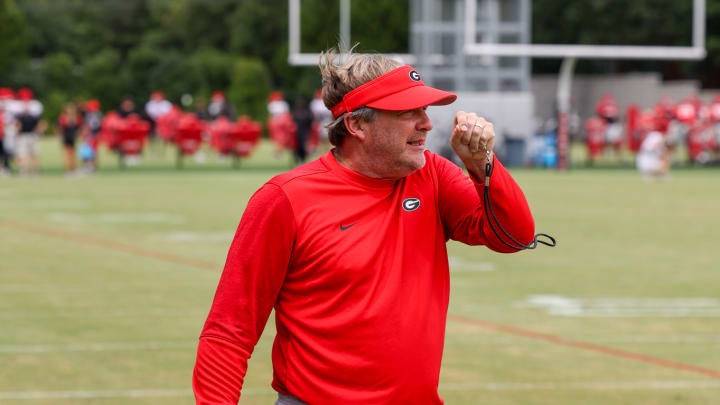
column 40, row 288
column 56, row 289
column 587, row 346
column 645, row 339
column 117, row 313
column 459, row 265
column 94, row 394
column 95, row 347
column 582, row 385
column 69, row 204
column 503, row 328
column 484, row 386
column 109, row 244
column 117, row 218
column 131, row 393
column 558, row 305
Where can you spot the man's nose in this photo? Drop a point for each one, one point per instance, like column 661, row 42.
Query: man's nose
column 424, row 124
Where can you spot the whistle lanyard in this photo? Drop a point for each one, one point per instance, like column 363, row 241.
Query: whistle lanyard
column 493, row 221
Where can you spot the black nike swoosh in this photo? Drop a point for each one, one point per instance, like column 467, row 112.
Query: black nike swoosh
column 342, row 228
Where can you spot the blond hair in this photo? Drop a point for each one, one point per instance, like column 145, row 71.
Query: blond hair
column 339, row 79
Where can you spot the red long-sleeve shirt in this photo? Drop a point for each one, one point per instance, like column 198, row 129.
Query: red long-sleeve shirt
column 356, row 269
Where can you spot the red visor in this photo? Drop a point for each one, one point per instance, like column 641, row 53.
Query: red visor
column 397, row 90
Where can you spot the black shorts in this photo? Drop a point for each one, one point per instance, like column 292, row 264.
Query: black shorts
column 69, row 141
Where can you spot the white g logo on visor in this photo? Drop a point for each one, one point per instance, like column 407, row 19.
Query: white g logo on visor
column 414, row 76
column 411, row 204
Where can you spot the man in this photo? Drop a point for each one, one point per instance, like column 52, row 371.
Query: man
column 653, row 159
column 303, row 119
column 220, row 107
column 127, row 107
column 322, row 117
column 350, row 249
column 31, row 126
column 155, row 108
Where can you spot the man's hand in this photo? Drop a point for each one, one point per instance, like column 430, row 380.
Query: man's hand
column 473, row 139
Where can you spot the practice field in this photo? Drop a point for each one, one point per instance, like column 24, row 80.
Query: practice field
column 105, row 282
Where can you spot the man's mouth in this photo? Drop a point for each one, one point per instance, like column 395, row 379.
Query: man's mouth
column 417, row 142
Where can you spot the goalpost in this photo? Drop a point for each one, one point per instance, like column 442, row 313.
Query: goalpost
column 569, row 54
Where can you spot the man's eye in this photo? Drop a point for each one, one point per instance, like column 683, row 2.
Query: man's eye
column 411, row 112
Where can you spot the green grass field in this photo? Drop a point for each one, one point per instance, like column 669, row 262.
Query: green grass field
column 105, row 282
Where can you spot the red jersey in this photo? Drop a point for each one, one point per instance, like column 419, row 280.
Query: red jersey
column 715, row 111
column 65, row 122
column 356, row 269
column 607, row 108
column 685, row 112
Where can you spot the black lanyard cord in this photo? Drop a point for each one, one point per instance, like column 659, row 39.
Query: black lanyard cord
column 490, row 217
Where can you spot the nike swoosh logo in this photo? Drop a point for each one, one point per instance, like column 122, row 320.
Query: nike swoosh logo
column 342, row 228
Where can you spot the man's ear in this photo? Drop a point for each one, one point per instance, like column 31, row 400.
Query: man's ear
column 356, row 127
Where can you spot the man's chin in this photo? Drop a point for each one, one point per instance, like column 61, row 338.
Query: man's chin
column 416, row 162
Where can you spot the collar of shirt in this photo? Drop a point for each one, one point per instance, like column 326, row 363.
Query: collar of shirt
column 354, row 177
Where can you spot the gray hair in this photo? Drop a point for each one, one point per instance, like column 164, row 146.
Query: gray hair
column 338, row 80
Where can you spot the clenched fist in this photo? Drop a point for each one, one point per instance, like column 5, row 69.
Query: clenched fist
column 473, row 139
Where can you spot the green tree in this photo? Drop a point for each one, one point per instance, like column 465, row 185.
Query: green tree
column 170, row 71
column 215, row 68
column 53, row 104
column 13, row 34
column 105, row 78
column 174, row 74
column 61, row 73
column 79, row 28
column 618, row 22
column 250, row 87
column 27, row 73
column 384, row 27
column 259, row 29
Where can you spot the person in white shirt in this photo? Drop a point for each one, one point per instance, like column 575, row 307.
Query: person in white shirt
column 653, row 158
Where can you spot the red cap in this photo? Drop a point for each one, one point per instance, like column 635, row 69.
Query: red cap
column 6, row 93
column 157, row 95
column 92, row 105
column 275, row 96
column 25, row 94
column 397, row 90
column 217, row 94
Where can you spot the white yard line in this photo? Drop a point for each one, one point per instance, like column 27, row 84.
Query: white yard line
column 93, row 394
column 460, row 265
column 137, row 393
column 80, row 313
column 485, row 386
column 117, row 218
column 59, row 288
column 38, row 288
column 624, row 307
column 59, row 204
column 95, row 347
